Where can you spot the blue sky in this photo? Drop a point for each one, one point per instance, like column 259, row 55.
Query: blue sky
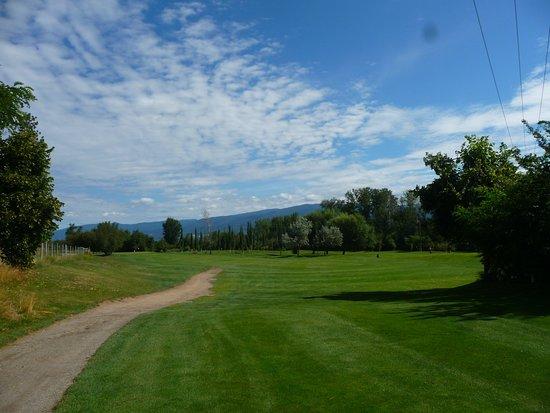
column 167, row 108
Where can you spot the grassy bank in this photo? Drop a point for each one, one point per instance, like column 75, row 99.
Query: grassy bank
column 337, row 333
column 57, row 288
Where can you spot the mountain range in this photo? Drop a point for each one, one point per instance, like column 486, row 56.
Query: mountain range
column 154, row 229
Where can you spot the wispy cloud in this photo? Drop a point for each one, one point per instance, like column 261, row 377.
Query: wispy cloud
column 197, row 113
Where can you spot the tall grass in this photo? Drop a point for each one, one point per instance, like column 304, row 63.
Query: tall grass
column 18, row 305
column 10, row 274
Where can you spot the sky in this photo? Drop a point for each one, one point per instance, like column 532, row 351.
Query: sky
column 165, row 108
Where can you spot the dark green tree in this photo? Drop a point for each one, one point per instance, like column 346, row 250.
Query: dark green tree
column 171, row 231
column 377, row 206
column 161, row 246
column 463, row 181
column 75, row 237
column 357, row 234
column 29, row 211
column 511, row 224
column 108, row 238
column 319, row 219
column 138, row 241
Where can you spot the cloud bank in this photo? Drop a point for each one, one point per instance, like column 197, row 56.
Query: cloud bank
column 167, row 113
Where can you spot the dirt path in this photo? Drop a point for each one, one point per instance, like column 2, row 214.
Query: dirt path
column 36, row 370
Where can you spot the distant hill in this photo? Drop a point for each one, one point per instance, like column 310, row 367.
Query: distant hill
column 155, row 228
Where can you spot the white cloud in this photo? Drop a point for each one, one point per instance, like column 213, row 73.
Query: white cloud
column 181, row 12
column 113, row 214
column 143, row 201
column 190, row 116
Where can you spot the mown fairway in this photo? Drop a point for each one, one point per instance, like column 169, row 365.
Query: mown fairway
column 340, row 333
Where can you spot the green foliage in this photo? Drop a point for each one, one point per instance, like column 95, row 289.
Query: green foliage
column 161, row 246
column 328, row 238
column 172, row 231
column 393, row 220
column 511, row 224
column 297, row 236
column 13, row 99
column 75, row 237
column 463, row 181
column 96, row 239
column 28, row 209
column 138, row 241
column 318, row 220
column 357, row 234
column 107, row 238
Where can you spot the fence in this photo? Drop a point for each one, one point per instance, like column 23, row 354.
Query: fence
column 58, row 249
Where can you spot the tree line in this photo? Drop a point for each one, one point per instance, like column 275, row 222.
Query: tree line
column 496, row 201
column 486, row 198
column 367, row 219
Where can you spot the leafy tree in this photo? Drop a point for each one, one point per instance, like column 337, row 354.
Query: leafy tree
column 297, row 235
column 28, row 210
column 138, row 241
column 75, row 237
column 357, row 234
column 108, row 238
column 377, row 206
column 410, row 222
column 161, row 246
column 511, row 223
column 13, row 99
column 319, row 219
column 171, row 230
column 329, row 237
column 463, row 181
column 337, row 205
column 71, row 230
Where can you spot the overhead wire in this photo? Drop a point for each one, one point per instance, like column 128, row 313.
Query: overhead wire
column 519, row 69
column 492, row 71
column 544, row 76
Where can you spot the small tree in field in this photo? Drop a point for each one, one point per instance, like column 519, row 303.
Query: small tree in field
column 297, row 235
column 357, row 234
column 329, row 237
column 28, row 209
column 171, row 230
column 107, row 238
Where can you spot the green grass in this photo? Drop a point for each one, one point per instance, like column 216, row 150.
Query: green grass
column 66, row 286
column 410, row 332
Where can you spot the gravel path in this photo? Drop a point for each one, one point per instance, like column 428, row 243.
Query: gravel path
column 37, row 369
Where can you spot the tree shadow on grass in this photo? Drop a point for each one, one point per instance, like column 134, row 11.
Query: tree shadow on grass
column 302, row 255
column 476, row 301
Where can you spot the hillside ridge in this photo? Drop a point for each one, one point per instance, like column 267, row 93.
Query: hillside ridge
column 154, row 228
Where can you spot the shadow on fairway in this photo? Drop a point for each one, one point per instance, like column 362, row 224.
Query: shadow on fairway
column 303, row 254
column 475, row 301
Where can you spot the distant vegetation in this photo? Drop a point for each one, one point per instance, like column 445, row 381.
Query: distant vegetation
column 108, row 238
column 492, row 200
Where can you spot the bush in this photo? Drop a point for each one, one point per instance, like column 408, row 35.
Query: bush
column 161, row 246
column 107, row 238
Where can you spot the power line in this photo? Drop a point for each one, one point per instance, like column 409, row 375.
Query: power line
column 544, row 77
column 519, row 67
column 492, row 72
